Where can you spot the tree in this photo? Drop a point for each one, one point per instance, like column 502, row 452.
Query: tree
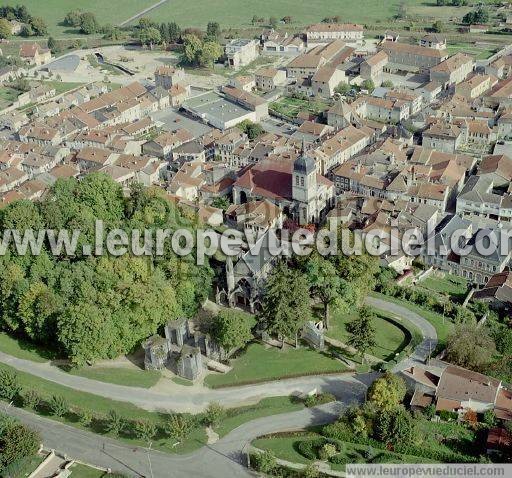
column 17, row 442
column 213, row 414
column 233, row 328
column 85, row 416
column 174, row 31
column 9, row 385
column 287, row 19
column 191, row 47
column 368, row 85
column 489, row 418
column 221, row 202
column 470, row 347
column 73, row 18
column 387, row 84
column 144, row 430
column 438, row 26
column 210, row 52
column 27, row 31
column 39, row 26
column 178, row 426
column 251, row 129
column 5, row 28
column 286, row 304
column 213, row 31
column 343, row 88
column 362, row 332
column 387, row 392
column 115, row 423
column 150, row 36
column 58, row 406
column 324, row 281
column 52, row 44
column 272, row 21
column 396, row 426
column 88, row 23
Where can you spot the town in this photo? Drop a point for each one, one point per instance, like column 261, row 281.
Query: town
column 250, row 363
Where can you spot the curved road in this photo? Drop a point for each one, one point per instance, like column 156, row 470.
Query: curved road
column 187, row 400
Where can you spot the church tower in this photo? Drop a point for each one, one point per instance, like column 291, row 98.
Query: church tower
column 304, row 186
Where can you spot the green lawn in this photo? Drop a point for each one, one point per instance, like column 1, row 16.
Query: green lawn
column 291, row 107
column 260, row 364
column 268, row 406
column 390, row 338
column 23, row 349
column 480, row 52
column 83, row 471
column 7, row 96
column 28, row 466
column 54, row 11
column 182, row 381
column 443, row 326
column 120, row 376
column 62, row 86
column 449, row 284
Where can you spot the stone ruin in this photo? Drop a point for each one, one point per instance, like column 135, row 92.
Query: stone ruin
column 181, row 350
column 313, row 333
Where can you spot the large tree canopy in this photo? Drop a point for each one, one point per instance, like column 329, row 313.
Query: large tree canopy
column 96, row 307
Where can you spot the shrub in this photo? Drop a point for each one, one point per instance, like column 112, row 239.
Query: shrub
column 31, row 399
column 10, row 388
column 214, row 414
column 144, row 430
column 448, row 416
column 17, row 442
column 264, row 461
column 319, row 399
column 58, row 406
column 429, row 411
column 309, row 448
column 327, row 451
column 489, row 418
column 85, row 416
column 115, row 422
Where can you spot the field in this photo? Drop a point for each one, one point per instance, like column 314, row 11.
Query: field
column 53, row 11
column 7, row 96
column 260, row 364
column 480, row 52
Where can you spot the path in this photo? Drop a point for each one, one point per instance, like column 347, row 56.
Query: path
column 144, row 12
column 224, row 458
column 191, row 399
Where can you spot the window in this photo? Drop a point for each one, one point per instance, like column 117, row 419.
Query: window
column 296, row 180
column 302, row 181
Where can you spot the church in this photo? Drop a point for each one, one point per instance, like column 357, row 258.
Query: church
column 295, row 186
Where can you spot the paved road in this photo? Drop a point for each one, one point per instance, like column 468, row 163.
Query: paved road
column 193, row 400
column 223, row 459
column 429, row 343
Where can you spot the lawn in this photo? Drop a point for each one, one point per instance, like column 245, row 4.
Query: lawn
column 260, row 364
column 62, row 86
column 23, row 349
column 7, row 96
column 443, row 326
column 449, row 284
column 83, row 471
column 28, row 465
column 391, row 338
column 291, row 107
column 479, row 52
column 120, row 376
column 53, row 11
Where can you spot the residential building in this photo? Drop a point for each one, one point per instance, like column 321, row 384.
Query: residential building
column 34, row 54
column 402, row 56
column 268, row 79
column 241, row 52
column 453, row 70
column 433, row 40
column 326, row 32
column 372, row 68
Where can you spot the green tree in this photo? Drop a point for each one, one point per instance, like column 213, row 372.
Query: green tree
column 470, row 346
column 31, row 399
column 174, row 31
column 251, row 129
column 272, row 22
column 85, row 416
column 489, row 418
column 214, row 414
column 233, row 329
column 387, row 392
column 89, row 24
column 396, row 426
column 286, row 304
column 368, row 85
column 191, row 47
column 213, row 31
column 150, row 36
column 343, row 88
column 27, row 31
column 265, row 462
column 39, row 27
column 324, row 281
column 52, row 44
column 221, row 202
column 5, row 28
column 362, row 332
column 178, row 426
column 10, row 387
column 438, row 26
column 58, row 406
column 210, row 52
column 17, row 442
column 387, row 84
column 73, row 18
column 145, row 430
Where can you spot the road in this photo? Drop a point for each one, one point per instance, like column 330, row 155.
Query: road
column 144, row 12
column 192, row 399
column 223, row 459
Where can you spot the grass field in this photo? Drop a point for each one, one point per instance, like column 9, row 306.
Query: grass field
column 260, row 364
column 82, row 471
column 23, row 350
column 291, row 107
column 54, row 11
column 479, row 52
column 449, row 284
column 120, row 376
column 7, row 96
column 390, row 338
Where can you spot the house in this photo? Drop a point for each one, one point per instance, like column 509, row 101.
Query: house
column 94, row 158
column 268, row 79
column 247, row 100
column 34, row 54
column 341, row 115
column 443, row 136
column 402, row 56
column 475, row 86
column 430, row 91
column 372, row 68
column 433, row 40
column 167, row 76
column 257, row 216
column 243, row 82
column 163, row 145
column 241, row 52
column 453, row 70
column 307, row 64
column 276, row 43
column 40, row 134
column 325, row 80
column 381, row 109
column 178, row 94
column 497, row 291
column 327, row 32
